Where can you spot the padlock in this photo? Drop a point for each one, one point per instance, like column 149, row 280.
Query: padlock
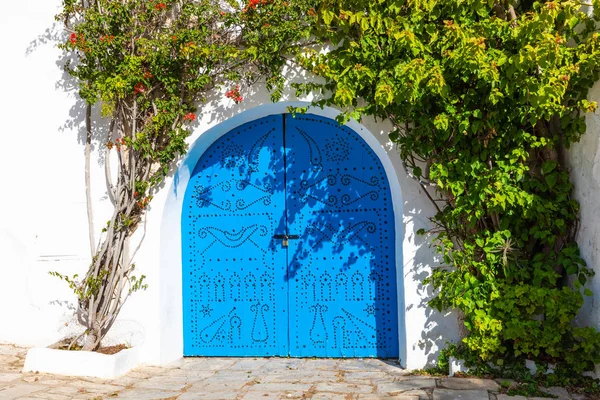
column 284, row 242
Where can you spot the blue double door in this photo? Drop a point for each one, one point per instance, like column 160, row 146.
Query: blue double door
column 288, row 245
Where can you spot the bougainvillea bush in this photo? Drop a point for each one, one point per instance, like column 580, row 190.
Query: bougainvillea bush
column 149, row 66
column 484, row 97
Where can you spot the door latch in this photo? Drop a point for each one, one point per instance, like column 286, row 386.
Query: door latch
column 285, row 239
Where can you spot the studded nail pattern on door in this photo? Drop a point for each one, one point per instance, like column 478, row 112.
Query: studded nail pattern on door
column 331, row 291
column 342, row 270
column 235, row 293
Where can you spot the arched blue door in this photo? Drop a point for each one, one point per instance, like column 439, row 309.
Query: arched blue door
column 288, row 245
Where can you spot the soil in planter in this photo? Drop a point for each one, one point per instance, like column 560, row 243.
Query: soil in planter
column 112, row 349
column 64, row 345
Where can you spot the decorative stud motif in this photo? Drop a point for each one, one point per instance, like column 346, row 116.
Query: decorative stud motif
column 326, row 190
column 337, row 149
column 314, row 152
column 253, row 159
column 318, row 330
column 371, row 309
column 357, row 286
column 214, row 330
column 206, row 310
column 325, row 283
column 235, row 291
column 260, row 330
column 251, row 292
column 233, row 156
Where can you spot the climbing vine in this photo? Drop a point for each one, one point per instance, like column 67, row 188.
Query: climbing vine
column 149, row 66
column 484, row 97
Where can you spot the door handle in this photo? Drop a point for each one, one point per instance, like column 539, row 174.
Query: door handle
column 293, row 237
column 285, row 238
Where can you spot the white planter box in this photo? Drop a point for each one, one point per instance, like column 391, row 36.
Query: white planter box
column 81, row 363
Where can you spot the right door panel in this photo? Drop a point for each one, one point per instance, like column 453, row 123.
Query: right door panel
column 341, row 270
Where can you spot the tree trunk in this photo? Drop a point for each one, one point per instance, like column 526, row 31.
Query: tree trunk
column 91, row 342
column 88, row 189
column 462, row 329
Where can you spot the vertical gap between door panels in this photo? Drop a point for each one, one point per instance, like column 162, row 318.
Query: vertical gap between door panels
column 286, row 209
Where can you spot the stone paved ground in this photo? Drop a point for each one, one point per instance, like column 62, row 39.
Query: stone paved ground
column 246, row 379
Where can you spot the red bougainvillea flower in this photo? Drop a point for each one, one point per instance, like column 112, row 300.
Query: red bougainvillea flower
column 73, row 38
column 139, row 88
column 118, row 143
column 160, row 6
column 231, row 93
column 148, row 75
column 189, row 117
column 234, row 94
column 107, row 38
column 143, row 203
column 252, row 4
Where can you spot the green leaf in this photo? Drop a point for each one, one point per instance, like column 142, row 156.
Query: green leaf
column 384, row 94
column 548, row 166
column 551, row 179
column 441, row 122
column 327, row 16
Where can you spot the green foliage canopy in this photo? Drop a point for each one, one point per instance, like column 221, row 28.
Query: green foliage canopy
column 483, row 97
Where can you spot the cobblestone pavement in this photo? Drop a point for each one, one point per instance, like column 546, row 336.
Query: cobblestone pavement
column 246, row 379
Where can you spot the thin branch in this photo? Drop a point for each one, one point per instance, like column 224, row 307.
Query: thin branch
column 108, row 178
column 141, row 239
column 513, row 16
column 430, row 198
column 75, row 340
column 88, row 184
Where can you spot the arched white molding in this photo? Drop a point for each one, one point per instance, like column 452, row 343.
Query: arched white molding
column 171, row 318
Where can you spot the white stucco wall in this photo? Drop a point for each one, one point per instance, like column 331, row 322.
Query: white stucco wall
column 43, row 222
column 584, row 160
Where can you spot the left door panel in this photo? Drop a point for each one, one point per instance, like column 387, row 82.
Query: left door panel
column 234, row 272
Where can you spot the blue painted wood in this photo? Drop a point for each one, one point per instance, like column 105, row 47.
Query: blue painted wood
column 234, row 287
column 342, row 269
column 332, row 292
